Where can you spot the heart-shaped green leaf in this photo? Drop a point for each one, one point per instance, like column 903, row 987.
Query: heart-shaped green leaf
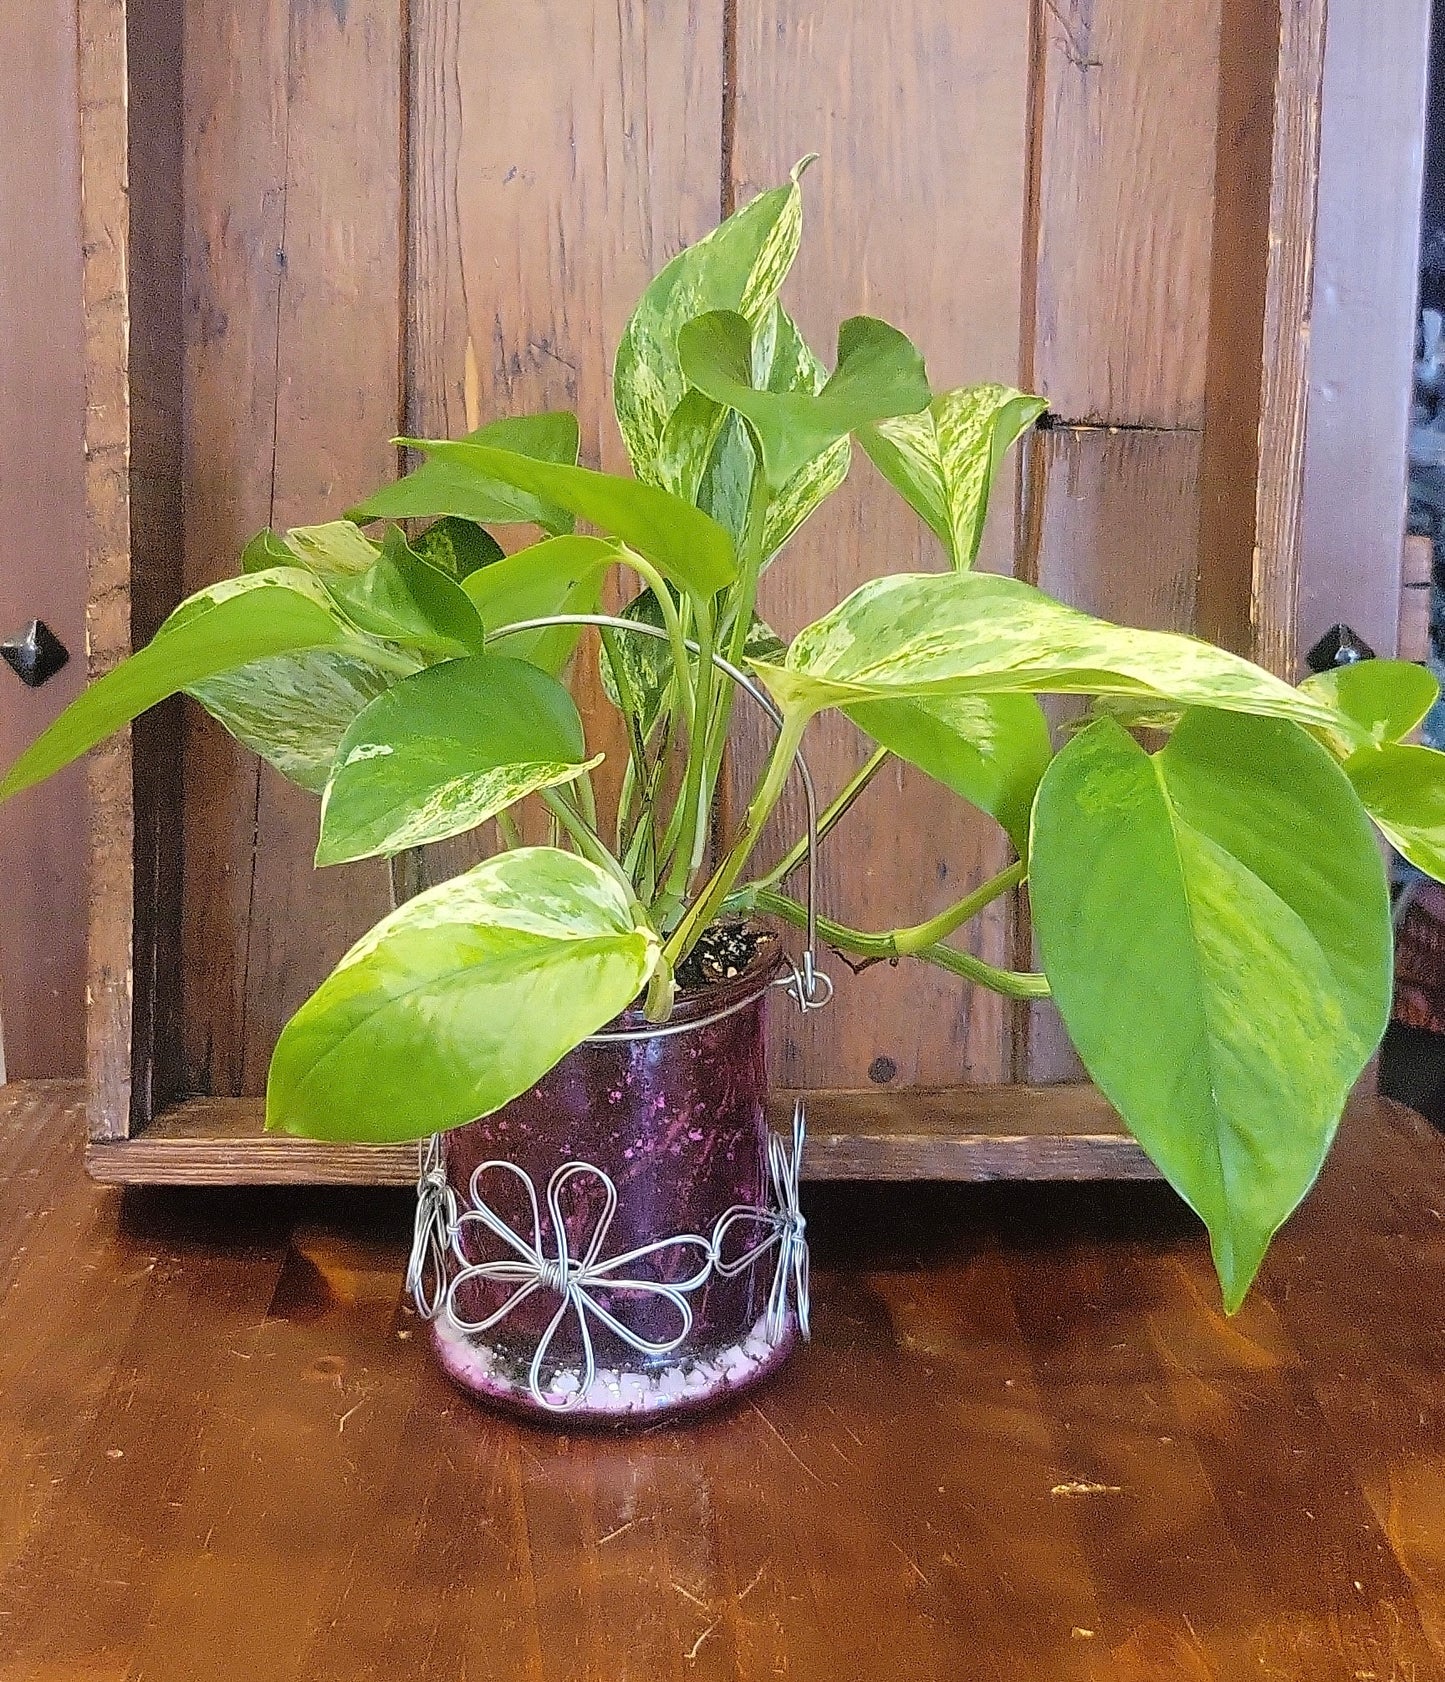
column 460, row 1000
column 1376, row 701
column 692, row 550
column 403, row 600
column 991, row 749
column 457, row 547
column 293, row 709
column 1215, row 926
column 444, row 751
column 1403, row 790
column 739, row 266
column 558, row 575
column 879, row 374
column 943, row 459
column 240, row 620
column 441, row 486
column 959, row 633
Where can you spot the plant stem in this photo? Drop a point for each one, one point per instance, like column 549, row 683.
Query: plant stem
column 760, row 808
column 913, row 940
column 1013, row 984
column 589, row 844
column 382, row 658
column 507, row 829
column 838, row 809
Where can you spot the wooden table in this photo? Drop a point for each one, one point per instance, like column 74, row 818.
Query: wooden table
column 1024, row 1444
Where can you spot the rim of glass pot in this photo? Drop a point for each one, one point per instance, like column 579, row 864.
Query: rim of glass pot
column 805, row 983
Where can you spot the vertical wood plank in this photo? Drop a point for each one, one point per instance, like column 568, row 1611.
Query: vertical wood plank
column 339, row 346
column 1114, row 521
column 557, row 165
column 42, row 413
column 1362, row 324
column 294, row 273
column 915, row 212
column 1129, row 104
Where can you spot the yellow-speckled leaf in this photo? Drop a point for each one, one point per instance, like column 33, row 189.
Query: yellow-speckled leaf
column 460, row 1000
column 1215, row 926
column 957, row 633
column 944, row 458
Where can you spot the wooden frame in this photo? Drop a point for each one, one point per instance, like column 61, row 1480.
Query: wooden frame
column 1256, row 388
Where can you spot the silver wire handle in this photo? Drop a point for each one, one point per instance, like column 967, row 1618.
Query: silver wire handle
column 810, row 987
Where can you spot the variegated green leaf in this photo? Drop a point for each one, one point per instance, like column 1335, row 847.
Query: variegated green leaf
column 879, row 373
column 283, row 610
column 443, row 486
column 444, row 751
column 960, row 633
column 293, row 709
column 457, row 547
column 337, row 549
column 991, row 749
column 692, row 550
column 1374, row 701
column 403, row 600
column 943, row 459
column 1403, row 790
column 1215, row 927
column 460, row 1000
column 739, row 266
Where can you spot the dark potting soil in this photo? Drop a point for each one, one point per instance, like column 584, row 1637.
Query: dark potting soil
column 724, row 951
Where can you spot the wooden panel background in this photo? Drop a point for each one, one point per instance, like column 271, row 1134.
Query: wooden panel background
column 42, row 516
column 402, row 215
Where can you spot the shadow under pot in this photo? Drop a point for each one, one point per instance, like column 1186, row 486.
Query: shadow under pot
column 624, row 1239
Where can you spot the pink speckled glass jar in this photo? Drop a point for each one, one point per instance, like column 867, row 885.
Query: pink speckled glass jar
column 626, row 1239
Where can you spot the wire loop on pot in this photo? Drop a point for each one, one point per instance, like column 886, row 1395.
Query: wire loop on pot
column 436, row 1219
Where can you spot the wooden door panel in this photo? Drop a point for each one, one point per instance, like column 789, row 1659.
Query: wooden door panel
column 915, row 211
column 294, row 119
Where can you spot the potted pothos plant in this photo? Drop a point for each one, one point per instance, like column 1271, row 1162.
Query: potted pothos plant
column 606, row 1225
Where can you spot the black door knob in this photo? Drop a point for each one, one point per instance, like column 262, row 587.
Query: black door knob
column 36, row 655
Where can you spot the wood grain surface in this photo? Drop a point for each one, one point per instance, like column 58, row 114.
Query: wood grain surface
column 906, row 166
column 1023, row 1443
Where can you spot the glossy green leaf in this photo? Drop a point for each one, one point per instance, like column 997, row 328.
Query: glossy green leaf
column 1215, row 926
column 444, row 751
column 959, row 633
column 794, row 368
column 403, row 600
column 943, row 459
column 231, row 624
column 293, row 709
column 559, row 575
column 646, row 663
column 1376, row 701
column 878, row 374
column 991, row 749
column 739, row 266
column 782, row 362
column 457, row 547
column 337, row 549
column 1403, row 790
column 442, row 485
column 460, row 1000
column 694, row 551
column 268, row 549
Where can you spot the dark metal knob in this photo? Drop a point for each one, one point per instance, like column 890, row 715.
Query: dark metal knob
column 1339, row 646
column 36, row 655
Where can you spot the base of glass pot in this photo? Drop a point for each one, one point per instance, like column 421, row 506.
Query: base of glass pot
column 687, row 1382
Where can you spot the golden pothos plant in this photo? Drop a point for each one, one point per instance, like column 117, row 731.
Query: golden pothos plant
column 1212, row 916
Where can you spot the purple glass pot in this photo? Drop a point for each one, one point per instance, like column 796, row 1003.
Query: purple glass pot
column 624, row 1238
